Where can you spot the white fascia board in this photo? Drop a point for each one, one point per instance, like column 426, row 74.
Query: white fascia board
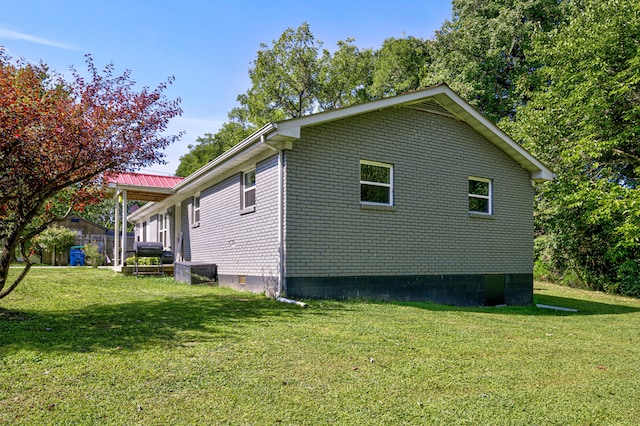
column 465, row 112
column 216, row 162
column 153, row 189
column 144, row 211
column 336, row 114
column 290, row 130
column 203, row 177
column 450, row 100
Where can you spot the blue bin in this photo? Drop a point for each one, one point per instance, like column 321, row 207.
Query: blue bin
column 76, row 256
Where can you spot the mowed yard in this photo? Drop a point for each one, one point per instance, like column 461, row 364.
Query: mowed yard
column 87, row 346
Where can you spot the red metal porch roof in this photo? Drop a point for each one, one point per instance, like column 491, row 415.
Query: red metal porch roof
column 144, row 179
column 144, row 186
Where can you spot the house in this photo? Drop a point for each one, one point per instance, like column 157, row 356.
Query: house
column 411, row 198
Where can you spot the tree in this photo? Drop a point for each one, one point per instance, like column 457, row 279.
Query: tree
column 481, row 52
column 58, row 139
column 399, row 66
column 344, row 76
column 289, row 79
column 583, row 119
column 56, row 239
column 284, row 78
column 211, row 146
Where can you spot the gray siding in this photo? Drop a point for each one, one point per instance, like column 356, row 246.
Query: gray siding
column 429, row 230
column 240, row 244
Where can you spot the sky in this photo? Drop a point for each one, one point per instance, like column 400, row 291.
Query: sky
column 208, row 46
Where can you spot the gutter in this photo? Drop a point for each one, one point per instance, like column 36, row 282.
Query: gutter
column 257, row 136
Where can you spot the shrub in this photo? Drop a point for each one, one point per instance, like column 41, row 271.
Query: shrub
column 92, row 254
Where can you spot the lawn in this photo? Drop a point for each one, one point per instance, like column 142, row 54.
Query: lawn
column 86, row 346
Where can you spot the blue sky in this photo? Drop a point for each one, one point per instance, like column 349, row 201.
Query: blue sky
column 207, row 45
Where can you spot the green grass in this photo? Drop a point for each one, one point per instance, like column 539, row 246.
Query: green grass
column 86, row 346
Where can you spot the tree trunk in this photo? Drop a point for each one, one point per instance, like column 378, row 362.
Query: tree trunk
column 8, row 248
column 9, row 245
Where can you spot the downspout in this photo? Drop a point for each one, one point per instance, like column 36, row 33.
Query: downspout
column 282, row 258
column 281, row 255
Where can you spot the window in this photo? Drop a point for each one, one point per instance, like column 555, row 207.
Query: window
column 195, row 210
column 376, row 183
column 249, row 189
column 480, row 195
column 162, row 229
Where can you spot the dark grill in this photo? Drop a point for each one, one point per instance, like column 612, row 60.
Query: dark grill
column 151, row 249
column 147, row 249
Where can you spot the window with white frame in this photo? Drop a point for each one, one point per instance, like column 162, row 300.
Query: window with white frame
column 195, row 210
column 162, row 229
column 376, row 183
column 249, row 189
column 480, row 195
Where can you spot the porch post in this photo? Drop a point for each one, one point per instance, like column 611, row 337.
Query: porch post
column 177, row 230
column 124, row 227
column 116, row 233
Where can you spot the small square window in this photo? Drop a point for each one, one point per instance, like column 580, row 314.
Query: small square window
column 480, row 195
column 376, row 183
column 249, row 189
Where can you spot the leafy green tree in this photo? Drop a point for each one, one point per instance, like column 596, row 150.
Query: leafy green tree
column 583, row 119
column 399, row 66
column 284, row 78
column 289, row 79
column 211, row 146
column 56, row 239
column 481, row 52
column 344, row 76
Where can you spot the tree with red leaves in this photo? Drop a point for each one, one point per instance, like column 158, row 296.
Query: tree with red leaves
column 58, row 139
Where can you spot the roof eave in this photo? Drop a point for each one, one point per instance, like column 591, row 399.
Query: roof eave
column 227, row 161
column 465, row 112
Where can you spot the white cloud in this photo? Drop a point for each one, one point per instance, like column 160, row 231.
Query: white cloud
column 14, row 35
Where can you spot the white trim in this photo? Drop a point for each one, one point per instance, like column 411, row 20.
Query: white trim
column 373, row 183
column 123, row 241
column 116, row 232
column 482, row 197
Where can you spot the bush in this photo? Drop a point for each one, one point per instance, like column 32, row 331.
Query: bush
column 92, row 254
column 144, row 261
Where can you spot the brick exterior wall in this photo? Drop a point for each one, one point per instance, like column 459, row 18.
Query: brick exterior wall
column 240, row 244
column 429, row 230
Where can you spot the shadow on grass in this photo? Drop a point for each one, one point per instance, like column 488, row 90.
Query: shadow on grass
column 138, row 325
column 584, row 307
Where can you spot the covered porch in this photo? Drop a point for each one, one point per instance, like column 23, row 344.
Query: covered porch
column 127, row 187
